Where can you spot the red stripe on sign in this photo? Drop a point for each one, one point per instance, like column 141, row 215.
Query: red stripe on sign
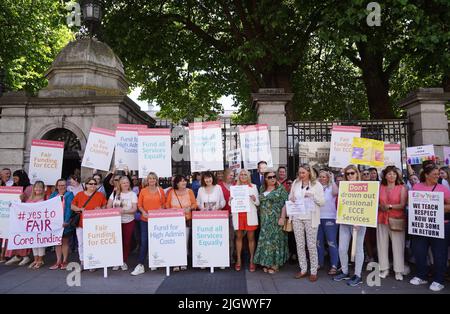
column 130, row 127
column 154, row 132
column 391, row 147
column 11, row 190
column 252, row 128
column 101, row 213
column 346, row 128
column 103, row 131
column 45, row 143
column 166, row 213
column 215, row 214
column 205, row 125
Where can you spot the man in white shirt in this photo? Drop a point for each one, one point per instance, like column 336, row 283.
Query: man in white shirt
column 6, row 176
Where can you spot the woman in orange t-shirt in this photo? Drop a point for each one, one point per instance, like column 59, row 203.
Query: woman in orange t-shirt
column 79, row 205
column 150, row 198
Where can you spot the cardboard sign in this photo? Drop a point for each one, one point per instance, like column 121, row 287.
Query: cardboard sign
column 99, row 149
column 241, row 199
column 296, row 208
column 341, row 144
column 206, row 150
column 127, row 146
column 418, row 154
column 210, row 239
column 154, row 152
column 358, row 203
column 33, row 225
column 426, row 214
column 167, row 238
column 8, row 194
column 255, row 145
column 367, row 152
column 102, row 238
column 46, row 158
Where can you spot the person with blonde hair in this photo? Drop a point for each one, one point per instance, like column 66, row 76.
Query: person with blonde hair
column 37, row 195
column 328, row 229
column 246, row 222
column 126, row 200
column 308, row 190
column 151, row 197
column 351, row 173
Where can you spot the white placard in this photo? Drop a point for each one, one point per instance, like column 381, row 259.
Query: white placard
column 99, row 149
column 8, row 194
column 206, row 150
column 167, row 238
column 446, row 150
column 210, row 239
column 341, row 144
column 426, row 214
column 392, row 155
column 126, row 153
column 241, row 199
column 155, row 152
column 33, row 225
column 418, row 154
column 295, row 208
column 255, row 145
column 46, row 158
column 234, row 159
column 102, row 238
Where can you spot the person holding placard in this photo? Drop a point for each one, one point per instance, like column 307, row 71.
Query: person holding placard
column 63, row 249
column 210, row 195
column 439, row 247
column 125, row 199
column 328, row 229
column 308, row 191
column 89, row 199
column 20, row 178
column 246, row 221
column 225, row 185
column 152, row 197
column 391, row 218
column 272, row 249
column 181, row 197
column 351, row 173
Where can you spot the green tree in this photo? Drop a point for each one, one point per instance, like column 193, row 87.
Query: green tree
column 32, row 33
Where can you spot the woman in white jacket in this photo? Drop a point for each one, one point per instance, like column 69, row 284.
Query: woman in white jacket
column 246, row 221
column 210, row 195
column 307, row 189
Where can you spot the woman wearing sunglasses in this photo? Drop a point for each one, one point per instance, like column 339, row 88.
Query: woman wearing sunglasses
column 306, row 188
column 351, row 173
column 272, row 250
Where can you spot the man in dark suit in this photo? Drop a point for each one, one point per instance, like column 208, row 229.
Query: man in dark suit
column 258, row 177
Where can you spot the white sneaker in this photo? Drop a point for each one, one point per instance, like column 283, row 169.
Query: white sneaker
column 436, row 286
column 384, row 273
column 417, row 281
column 12, row 260
column 24, row 261
column 124, row 267
column 138, row 270
column 398, row 276
column 115, row 268
column 183, row 267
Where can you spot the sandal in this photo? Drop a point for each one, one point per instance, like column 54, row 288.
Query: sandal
column 237, row 267
column 38, row 265
column 272, row 270
column 265, row 269
column 333, row 271
column 32, row 264
column 55, row 266
column 252, row 267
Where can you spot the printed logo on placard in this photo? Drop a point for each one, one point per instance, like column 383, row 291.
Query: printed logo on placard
column 34, row 175
column 157, row 260
column 421, row 196
column 200, row 261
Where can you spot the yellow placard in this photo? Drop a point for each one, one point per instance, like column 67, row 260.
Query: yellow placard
column 358, row 203
column 367, row 152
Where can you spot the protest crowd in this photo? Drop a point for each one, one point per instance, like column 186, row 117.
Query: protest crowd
column 264, row 233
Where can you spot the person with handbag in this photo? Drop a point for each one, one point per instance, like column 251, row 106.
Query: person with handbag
column 89, row 199
column 393, row 197
column 126, row 200
column 151, row 198
column 246, row 222
column 63, row 249
column 308, row 190
column 183, row 198
column 328, row 229
column 429, row 177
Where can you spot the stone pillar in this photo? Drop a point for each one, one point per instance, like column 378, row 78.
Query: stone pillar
column 270, row 105
column 425, row 109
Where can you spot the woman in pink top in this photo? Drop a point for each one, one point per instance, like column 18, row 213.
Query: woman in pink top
column 392, row 201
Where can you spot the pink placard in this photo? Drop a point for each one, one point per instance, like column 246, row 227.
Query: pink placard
column 45, row 143
column 11, row 190
column 130, row 127
column 165, row 213
column 101, row 213
column 214, row 214
column 346, row 128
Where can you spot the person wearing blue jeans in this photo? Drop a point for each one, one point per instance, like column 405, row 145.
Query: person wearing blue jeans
column 439, row 247
column 144, row 242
